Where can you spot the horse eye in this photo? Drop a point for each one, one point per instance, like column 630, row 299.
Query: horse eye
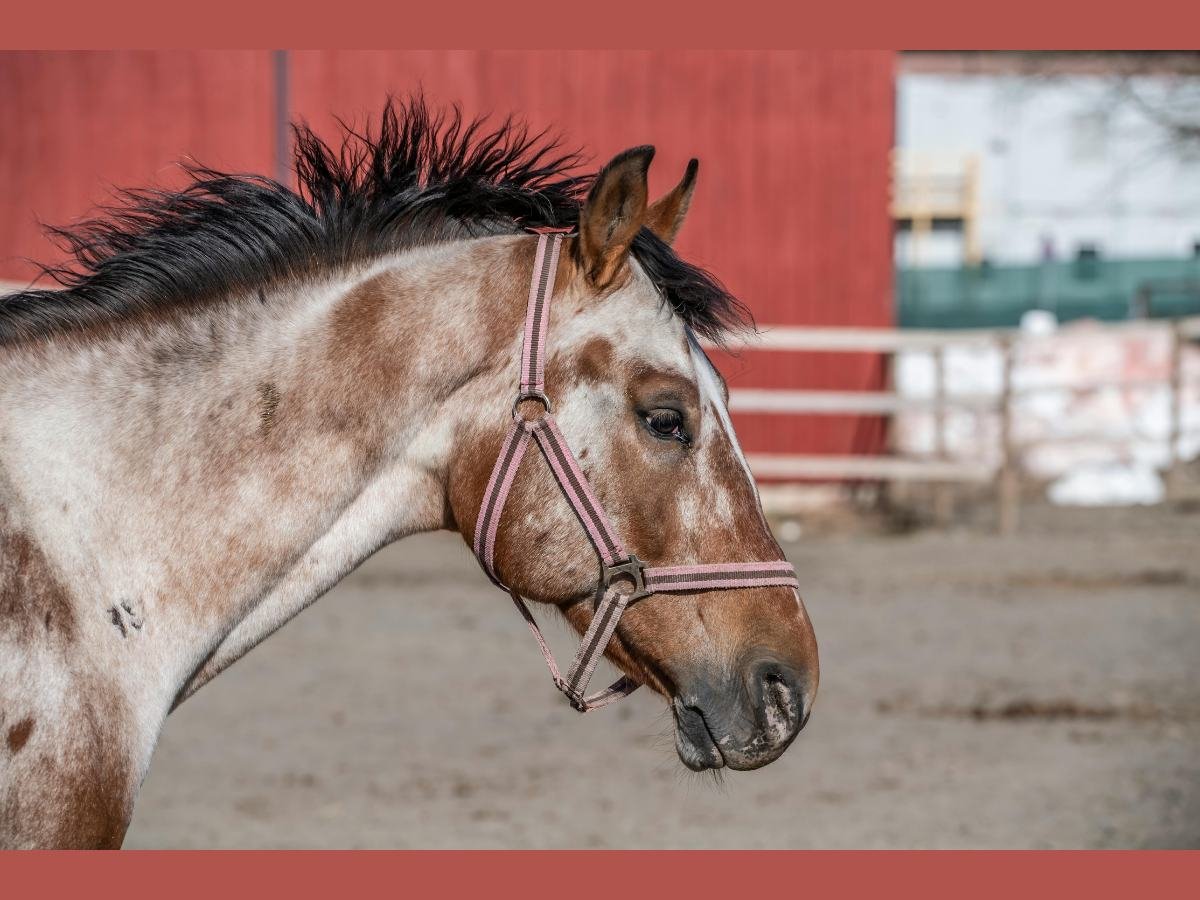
column 667, row 424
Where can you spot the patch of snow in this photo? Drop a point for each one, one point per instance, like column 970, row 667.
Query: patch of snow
column 1108, row 484
column 1071, row 416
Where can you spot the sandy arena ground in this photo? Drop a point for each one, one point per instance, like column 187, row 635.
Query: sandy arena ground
column 1039, row 691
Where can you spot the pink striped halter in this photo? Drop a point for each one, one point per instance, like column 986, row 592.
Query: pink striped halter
column 624, row 579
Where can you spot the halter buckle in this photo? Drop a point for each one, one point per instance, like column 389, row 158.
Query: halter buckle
column 531, row 395
column 564, row 230
column 632, row 570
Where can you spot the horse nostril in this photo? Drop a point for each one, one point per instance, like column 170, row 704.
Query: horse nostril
column 781, row 697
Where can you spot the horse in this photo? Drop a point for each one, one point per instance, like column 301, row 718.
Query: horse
column 239, row 390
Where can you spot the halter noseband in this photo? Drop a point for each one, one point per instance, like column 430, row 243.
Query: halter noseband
column 624, row 579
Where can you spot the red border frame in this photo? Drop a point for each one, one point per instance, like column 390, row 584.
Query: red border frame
column 979, row 875
column 917, row 24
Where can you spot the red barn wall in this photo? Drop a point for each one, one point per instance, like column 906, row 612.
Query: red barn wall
column 75, row 124
column 790, row 210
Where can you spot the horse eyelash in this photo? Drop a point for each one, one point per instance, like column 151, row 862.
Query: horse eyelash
column 682, row 437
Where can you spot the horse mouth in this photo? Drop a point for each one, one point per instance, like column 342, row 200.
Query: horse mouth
column 711, row 734
column 695, row 744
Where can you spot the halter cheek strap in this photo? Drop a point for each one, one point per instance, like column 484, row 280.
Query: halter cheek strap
column 624, row 579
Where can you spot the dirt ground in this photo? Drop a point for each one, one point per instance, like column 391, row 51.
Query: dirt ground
column 1038, row 691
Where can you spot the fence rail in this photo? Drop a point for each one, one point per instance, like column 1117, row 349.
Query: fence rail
column 891, row 340
column 884, row 468
column 938, row 467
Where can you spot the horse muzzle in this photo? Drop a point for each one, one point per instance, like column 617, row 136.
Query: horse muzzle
column 742, row 719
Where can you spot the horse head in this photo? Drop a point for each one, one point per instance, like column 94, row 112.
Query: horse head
column 642, row 409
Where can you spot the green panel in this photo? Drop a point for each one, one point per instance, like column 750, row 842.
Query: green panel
column 997, row 296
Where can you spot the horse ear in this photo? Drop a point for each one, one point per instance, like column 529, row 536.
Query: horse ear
column 614, row 212
column 666, row 215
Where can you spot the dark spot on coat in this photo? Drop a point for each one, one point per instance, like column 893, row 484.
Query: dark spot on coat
column 30, row 590
column 594, row 363
column 19, row 734
column 80, row 797
column 268, row 404
column 115, row 615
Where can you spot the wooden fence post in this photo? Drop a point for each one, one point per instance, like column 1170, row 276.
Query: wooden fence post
column 942, row 496
column 896, row 490
column 1175, row 423
column 1007, row 484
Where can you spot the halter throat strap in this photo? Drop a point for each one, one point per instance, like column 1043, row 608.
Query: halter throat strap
column 624, row 579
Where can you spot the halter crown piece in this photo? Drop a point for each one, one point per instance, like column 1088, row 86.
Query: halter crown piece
column 624, row 579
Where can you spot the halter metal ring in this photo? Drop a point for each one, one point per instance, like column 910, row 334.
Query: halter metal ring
column 532, row 395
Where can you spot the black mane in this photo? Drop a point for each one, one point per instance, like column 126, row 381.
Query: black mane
column 420, row 177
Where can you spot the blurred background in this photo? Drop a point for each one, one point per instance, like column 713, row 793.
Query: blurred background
column 973, row 407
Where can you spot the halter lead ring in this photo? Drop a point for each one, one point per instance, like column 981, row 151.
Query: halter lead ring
column 624, row 579
column 537, row 396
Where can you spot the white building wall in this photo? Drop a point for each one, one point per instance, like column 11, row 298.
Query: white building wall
column 1063, row 162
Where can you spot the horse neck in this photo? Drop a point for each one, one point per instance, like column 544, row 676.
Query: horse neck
column 188, row 467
